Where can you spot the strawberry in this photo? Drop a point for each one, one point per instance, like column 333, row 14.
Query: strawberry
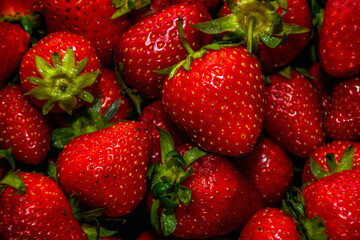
column 110, row 166
column 336, row 148
column 270, row 169
column 293, row 113
column 144, row 49
column 198, row 195
column 270, row 223
column 60, row 72
column 335, row 198
column 91, row 19
column 15, row 9
column 342, row 121
column 219, row 102
column 23, row 128
column 14, row 41
column 32, row 206
column 339, row 39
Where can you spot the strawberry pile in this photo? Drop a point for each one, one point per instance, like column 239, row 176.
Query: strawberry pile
column 180, row 119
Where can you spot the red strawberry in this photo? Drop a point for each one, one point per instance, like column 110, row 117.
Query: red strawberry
column 219, row 102
column 293, row 113
column 270, row 169
column 110, row 166
column 15, row 9
column 14, row 41
column 23, row 128
column 32, row 206
column 60, row 71
column 270, row 223
column 319, row 155
column 91, row 19
column 342, row 121
column 339, row 38
column 153, row 44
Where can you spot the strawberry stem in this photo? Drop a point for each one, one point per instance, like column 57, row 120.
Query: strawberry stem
column 249, row 36
column 182, row 36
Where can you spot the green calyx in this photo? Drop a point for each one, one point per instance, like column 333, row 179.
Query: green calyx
column 96, row 232
column 62, row 82
column 345, row 163
column 125, row 6
column 165, row 183
column 13, row 180
column 252, row 21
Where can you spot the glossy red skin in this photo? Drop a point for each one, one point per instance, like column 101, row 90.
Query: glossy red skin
column 343, row 119
column 219, row 102
column 339, row 38
column 11, row 8
column 14, row 41
column 270, row 224
column 335, row 199
column 298, row 13
column 110, row 90
column 110, row 166
column 323, row 83
column 154, row 115
column 145, row 48
column 293, row 114
column 43, row 212
column 90, row 19
column 23, row 127
column 58, row 42
column 319, row 155
column 270, row 169
column 222, row 199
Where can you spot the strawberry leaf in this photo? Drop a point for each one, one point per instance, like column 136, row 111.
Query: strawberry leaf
column 346, row 161
column 192, row 155
column 154, row 218
column 168, row 222
column 15, row 181
column 166, row 143
column 317, row 170
column 185, row 195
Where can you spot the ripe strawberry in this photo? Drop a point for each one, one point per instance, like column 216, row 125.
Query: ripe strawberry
column 91, row 19
column 23, row 128
column 339, row 38
column 319, row 155
column 270, row 223
column 60, row 72
column 293, row 113
column 110, row 166
column 15, row 9
column 219, row 102
column 153, row 44
column 32, row 206
column 342, row 121
column 270, row 169
column 14, row 41
column 214, row 197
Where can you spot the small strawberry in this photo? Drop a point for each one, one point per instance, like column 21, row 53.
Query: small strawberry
column 219, row 100
column 32, row 206
column 14, row 42
column 60, row 72
column 23, row 128
column 339, row 38
column 154, row 44
column 110, row 166
column 270, row 169
column 293, row 113
column 270, row 223
column 91, row 19
column 342, row 121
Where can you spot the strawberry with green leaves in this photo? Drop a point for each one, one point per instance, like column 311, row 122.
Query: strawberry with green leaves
column 293, row 113
column 154, row 44
column 23, row 128
column 60, row 72
column 32, row 206
column 110, row 167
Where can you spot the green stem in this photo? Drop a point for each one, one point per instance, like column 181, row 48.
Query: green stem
column 250, row 31
column 182, row 36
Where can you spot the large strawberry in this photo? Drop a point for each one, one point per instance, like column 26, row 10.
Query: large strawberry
column 60, row 72
column 154, row 44
column 23, row 128
column 110, row 167
column 32, row 206
column 342, row 121
column 293, row 113
column 219, row 102
column 14, row 42
column 91, row 19
column 339, row 48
